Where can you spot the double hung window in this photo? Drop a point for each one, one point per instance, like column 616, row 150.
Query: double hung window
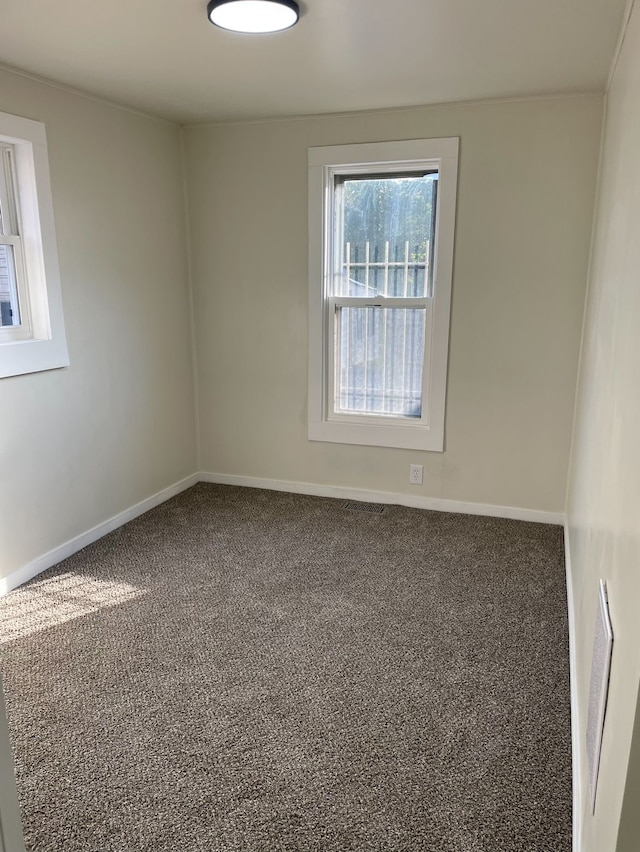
column 381, row 247
column 14, row 304
column 32, row 336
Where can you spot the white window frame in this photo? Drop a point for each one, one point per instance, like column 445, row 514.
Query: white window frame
column 325, row 164
column 39, row 342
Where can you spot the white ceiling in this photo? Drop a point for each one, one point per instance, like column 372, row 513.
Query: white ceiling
column 164, row 57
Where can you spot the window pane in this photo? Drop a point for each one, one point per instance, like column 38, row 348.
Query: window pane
column 387, row 239
column 380, row 357
column 9, row 308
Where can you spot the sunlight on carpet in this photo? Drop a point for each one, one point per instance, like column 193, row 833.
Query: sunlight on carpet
column 54, row 601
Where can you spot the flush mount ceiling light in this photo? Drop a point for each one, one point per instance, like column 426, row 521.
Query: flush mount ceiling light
column 253, row 16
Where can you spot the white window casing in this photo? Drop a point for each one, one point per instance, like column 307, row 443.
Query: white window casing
column 38, row 342
column 327, row 165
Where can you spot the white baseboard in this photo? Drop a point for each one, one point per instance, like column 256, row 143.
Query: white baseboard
column 413, row 501
column 47, row 560
column 575, row 717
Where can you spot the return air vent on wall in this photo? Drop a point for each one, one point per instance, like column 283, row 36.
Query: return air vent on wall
column 356, row 506
column 599, row 688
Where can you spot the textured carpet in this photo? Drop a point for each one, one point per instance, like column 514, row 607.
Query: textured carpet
column 248, row 670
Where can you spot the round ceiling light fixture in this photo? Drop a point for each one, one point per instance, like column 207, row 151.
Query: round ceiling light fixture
column 253, row 16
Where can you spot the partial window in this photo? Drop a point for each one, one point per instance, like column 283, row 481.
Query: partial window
column 381, row 249
column 14, row 304
column 31, row 324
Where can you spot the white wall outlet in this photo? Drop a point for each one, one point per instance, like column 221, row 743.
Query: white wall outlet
column 415, row 474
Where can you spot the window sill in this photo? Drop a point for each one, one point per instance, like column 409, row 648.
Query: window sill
column 18, row 357
column 409, row 437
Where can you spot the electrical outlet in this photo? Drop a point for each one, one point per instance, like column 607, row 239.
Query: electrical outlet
column 415, row 474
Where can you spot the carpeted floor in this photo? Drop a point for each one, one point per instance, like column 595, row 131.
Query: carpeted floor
column 243, row 670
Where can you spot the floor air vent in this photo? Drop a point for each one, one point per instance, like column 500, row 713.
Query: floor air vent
column 356, row 506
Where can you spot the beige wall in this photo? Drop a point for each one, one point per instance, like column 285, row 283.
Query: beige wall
column 82, row 444
column 629, row 830
column 604, row 492
column 526, row 187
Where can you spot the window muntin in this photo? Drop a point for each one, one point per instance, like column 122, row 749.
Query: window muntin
column 385, row 386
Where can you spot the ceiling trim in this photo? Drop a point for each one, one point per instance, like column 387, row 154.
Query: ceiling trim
column 411, row 108
column 82, row 93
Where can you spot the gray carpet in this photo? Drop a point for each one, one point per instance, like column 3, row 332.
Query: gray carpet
column 248, row 670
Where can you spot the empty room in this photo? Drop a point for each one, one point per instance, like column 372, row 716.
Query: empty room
column 319, row 490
